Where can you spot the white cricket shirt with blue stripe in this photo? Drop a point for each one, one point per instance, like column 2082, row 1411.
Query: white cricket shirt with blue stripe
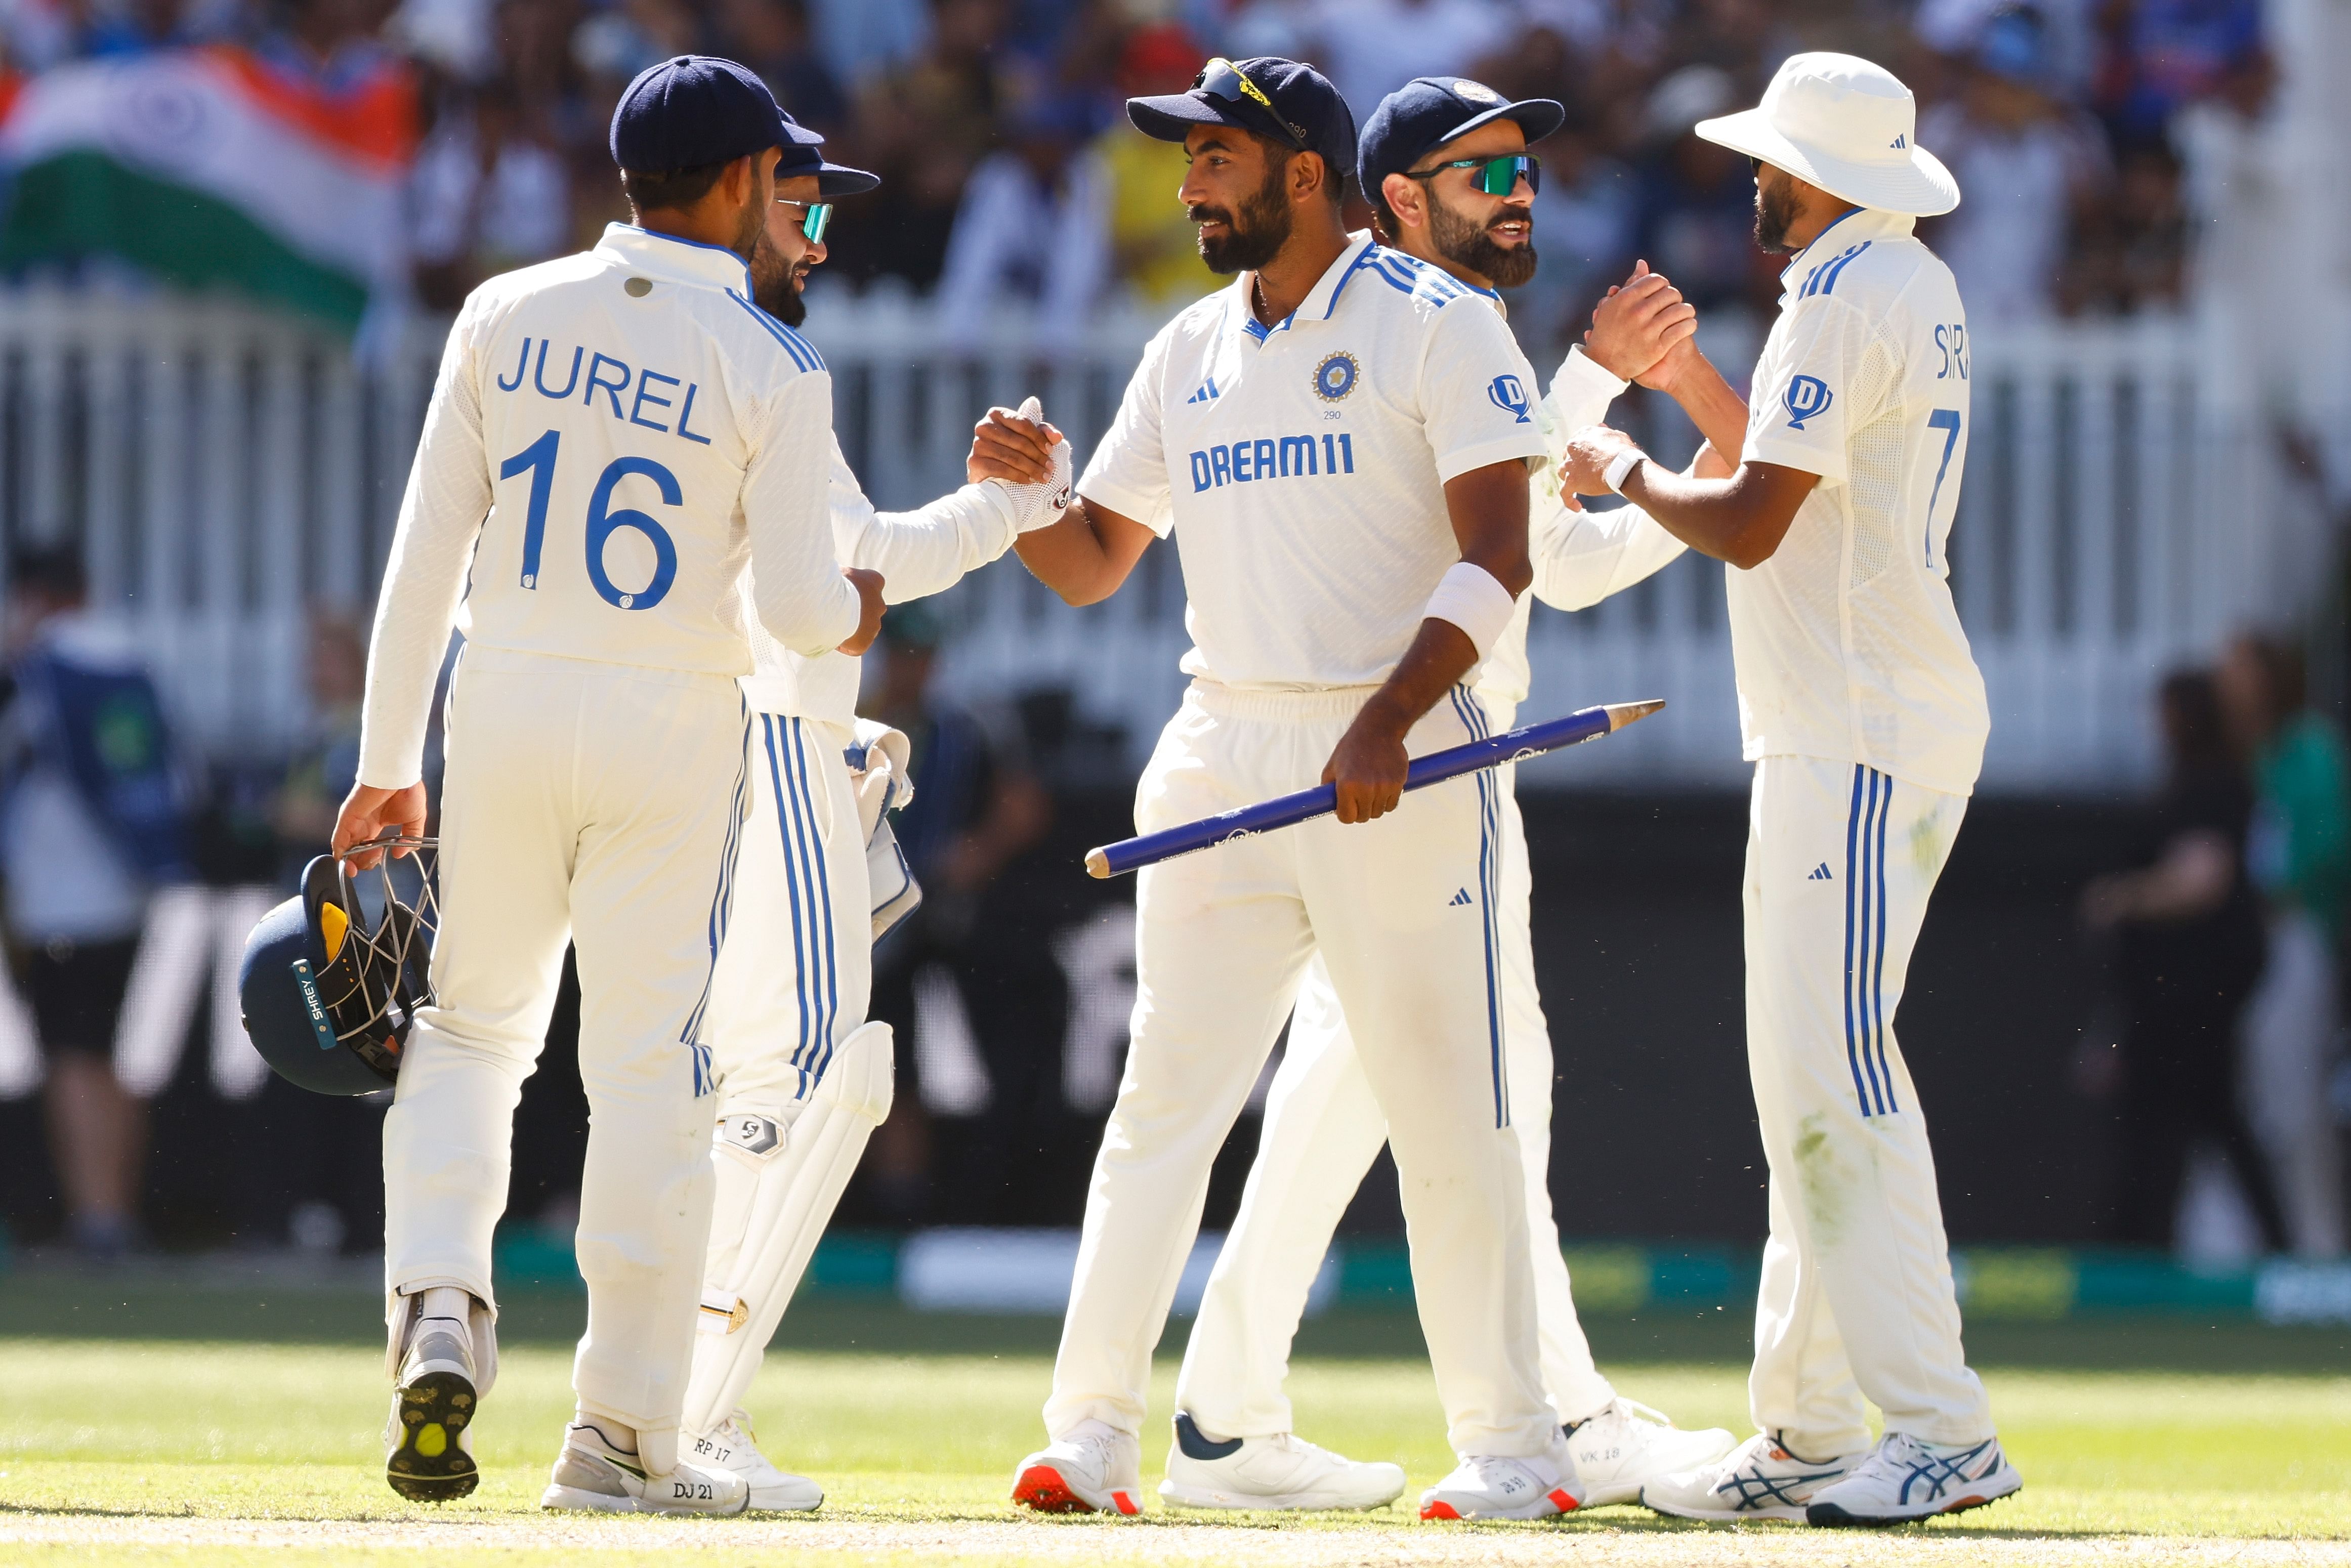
column 1301, row 467
column 1847, row 643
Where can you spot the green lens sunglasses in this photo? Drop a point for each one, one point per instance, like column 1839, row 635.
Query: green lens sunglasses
column 1495, row 176
column 819, row 218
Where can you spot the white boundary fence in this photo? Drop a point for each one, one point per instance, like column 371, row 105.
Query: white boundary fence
column 228, row 469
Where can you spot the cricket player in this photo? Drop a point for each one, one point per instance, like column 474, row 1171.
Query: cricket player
column 1443, row 162
column 1340, row 439
column 615, row 437
column 1864, row 717
column 803, row 1076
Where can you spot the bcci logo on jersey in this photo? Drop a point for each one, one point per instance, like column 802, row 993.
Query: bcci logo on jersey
column 1510, row 394
column 1807, row 396
column 1334, row 378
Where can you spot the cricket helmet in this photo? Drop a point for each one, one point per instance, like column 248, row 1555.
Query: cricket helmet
column 333, row 977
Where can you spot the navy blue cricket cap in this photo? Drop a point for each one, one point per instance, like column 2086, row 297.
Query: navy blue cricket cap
column 800, row 157
column 1284, row 101
column 693, row 111
column 1427, row 112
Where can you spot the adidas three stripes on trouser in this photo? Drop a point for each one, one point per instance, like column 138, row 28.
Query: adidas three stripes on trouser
column 1856, row 1301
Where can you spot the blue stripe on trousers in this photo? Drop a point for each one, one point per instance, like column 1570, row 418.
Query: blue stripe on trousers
column 826, row 940
column 1473, row 718
column 722, row 900
column 801, row 968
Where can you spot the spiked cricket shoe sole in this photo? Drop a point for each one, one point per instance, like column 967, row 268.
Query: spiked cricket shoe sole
column 1982, row 1494
column 430, row 1465
column 1041, row 1487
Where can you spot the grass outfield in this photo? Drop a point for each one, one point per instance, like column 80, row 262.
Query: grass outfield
column 2158, row 1445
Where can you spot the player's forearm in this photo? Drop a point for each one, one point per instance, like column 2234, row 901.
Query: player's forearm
column 1718, row 410
column 1073, row 558
column 797, row 589
column 929, row 550
column 1582, row 557
column 1741, row 519
column 1440, row 656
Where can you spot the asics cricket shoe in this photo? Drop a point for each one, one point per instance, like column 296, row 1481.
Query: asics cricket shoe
column 592, row 1476
column 1904, row 1478
column 1628, row 1445
column 1758, row 1479
column 1487, row 1486
column 429, row 1435
column 1281, row 1472
column 1097, row 1469
column 733, row 1446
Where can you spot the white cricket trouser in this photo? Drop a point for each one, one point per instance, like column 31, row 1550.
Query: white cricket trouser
column 595, row 804
column 1323, row 1130
column 1404, row 912
column 798, row 970
column 1856, row 1299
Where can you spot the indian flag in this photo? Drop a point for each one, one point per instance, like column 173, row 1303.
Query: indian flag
column 209, row 167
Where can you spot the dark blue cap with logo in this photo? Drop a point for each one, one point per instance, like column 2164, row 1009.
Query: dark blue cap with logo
column 694, row 110
column 1281, row 100
column 1427, row 112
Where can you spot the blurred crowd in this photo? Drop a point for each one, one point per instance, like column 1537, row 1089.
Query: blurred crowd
column 2076, row 127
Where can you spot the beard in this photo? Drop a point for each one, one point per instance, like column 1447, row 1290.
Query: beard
column 1774, row 211
column 775, row 283
column 1256, row 235
column 1457, row 239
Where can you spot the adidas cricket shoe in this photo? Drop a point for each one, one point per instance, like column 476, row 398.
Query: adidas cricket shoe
column 593, row 1477
column 1487, row 1486
column 733, row 1448
column 1282, row 1472
column 1758, row 1479
column 429, row 1435
column 1095, row 1469
column 1628, row 1445
column 1904, row 1478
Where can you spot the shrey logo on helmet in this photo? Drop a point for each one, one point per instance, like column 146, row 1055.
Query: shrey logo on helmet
column 333, row 977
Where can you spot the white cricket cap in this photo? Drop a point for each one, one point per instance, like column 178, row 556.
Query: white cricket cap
column 1847, row 125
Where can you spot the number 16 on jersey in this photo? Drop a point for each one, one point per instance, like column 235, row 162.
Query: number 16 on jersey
column 538, row 460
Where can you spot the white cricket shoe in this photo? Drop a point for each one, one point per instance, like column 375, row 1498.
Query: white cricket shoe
column 734, row 1447
column 1628, row 1445
column 430, row 1456
column 1097, row 1469
column 1904, row 1478
column 1487, row 1486
column 593, row 1477
column 1284, row 1472
column 1758, row 1479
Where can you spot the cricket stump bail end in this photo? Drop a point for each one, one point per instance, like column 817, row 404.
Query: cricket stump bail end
column 1622, row 714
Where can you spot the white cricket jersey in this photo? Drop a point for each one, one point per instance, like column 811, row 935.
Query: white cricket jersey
column 1302, row 466
column 1579, row 558
column 918, row 553
column 1847, row 643
column 613, row 438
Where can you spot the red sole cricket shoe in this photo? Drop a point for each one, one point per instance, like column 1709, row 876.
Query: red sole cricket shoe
column 1041, row 1488
column 1559, row 1501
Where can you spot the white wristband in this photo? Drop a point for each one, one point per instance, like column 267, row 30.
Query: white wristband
column 1620, row 468
column 1470, row 598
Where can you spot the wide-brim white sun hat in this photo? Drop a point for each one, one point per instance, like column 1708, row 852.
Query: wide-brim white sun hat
column 1847, row 125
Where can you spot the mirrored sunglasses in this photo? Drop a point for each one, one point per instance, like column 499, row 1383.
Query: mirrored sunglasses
column 817, row 218
column 1495, row 176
